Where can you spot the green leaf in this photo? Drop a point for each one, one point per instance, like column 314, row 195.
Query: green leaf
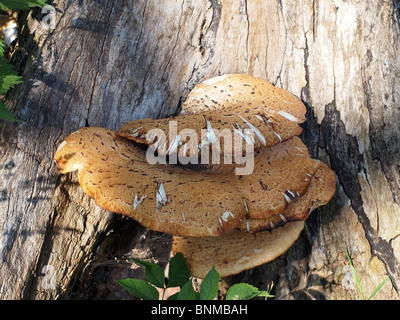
column 6, row 114
column 187, row 293
column 140, row 288
column 242, row 291
column 21, row 4
column 153, row 273
column 245, row 291
column 8, row 76
column 179, row 273
column 378, row 287
column 209, row 285
column 7, row 81
column 1, row 48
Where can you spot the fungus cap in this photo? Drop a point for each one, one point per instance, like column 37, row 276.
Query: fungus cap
column 237, row 251
column 184, row 202
column 163, row 198
column 285, row 184
column 230, row 103
column 320, row 188
column 242, row 89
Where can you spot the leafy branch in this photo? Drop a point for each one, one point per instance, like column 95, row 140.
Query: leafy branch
column 21, row 4
column 179, row 276
column 8, row 77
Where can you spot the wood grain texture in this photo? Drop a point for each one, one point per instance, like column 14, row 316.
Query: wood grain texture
column 109, row 62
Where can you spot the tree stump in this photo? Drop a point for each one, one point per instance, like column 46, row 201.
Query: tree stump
column 108, row 62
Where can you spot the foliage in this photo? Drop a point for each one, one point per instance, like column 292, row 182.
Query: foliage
column 179, row 276
column 245, row 291
column 8, row 77
column 21, row 4
column 357, row 280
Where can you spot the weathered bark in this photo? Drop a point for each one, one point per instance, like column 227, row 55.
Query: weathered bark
column 108, row 62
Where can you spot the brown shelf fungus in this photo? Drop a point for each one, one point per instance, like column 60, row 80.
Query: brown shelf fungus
column 213, row 210
column 237, row 251
column 230, row 103
column 168, row 199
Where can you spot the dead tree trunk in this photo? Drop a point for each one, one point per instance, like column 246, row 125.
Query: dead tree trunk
column 108, row 62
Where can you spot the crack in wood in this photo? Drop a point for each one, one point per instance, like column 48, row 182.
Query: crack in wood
column 347, row 167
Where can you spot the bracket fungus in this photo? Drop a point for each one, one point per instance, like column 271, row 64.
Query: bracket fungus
column 231, row 102
column 216, row 216
column 237, row 251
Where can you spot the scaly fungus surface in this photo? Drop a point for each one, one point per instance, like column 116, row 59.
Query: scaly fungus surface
column 217, row 217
